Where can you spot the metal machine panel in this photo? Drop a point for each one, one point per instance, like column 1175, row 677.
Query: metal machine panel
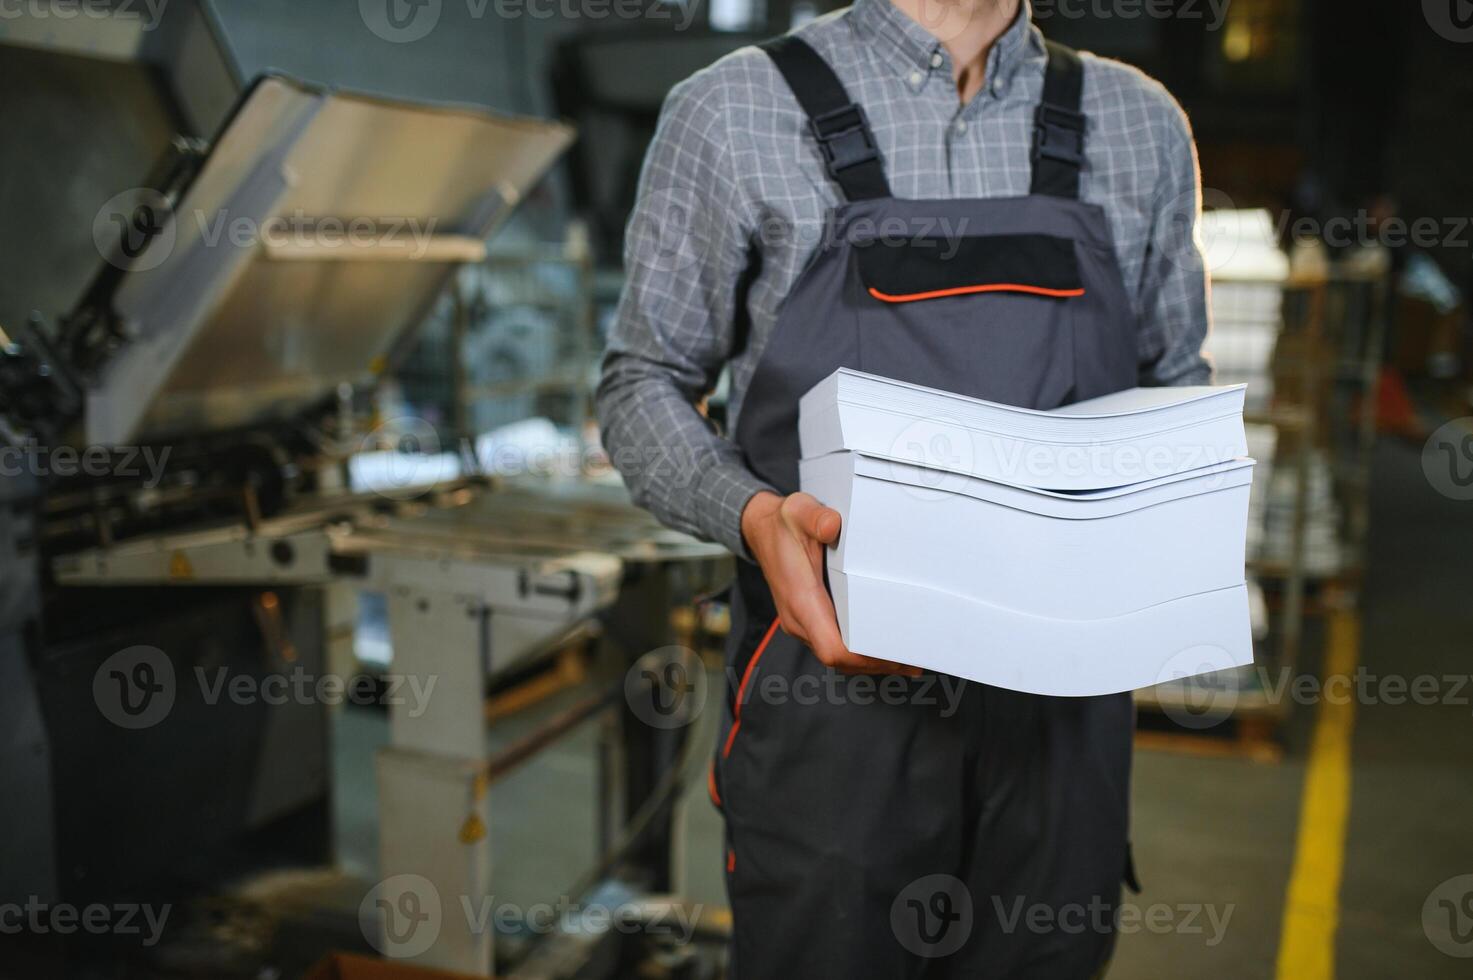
column 319, row 229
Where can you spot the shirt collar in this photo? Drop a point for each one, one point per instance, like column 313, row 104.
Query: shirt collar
column 908, row 47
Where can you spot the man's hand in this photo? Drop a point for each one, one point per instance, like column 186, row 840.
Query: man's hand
column 787, row 536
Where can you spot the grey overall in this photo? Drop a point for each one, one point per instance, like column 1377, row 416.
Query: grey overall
column 901, row 828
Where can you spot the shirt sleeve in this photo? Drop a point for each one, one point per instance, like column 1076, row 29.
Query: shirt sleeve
column 686, row 249
column 1174, row 317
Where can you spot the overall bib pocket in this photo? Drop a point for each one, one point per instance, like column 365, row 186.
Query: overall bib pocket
column 962, row 314
column 922, row 269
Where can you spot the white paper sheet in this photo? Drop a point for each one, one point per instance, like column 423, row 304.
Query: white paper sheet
column 1096, row 555
column 1068, row 658
column 1124, row 438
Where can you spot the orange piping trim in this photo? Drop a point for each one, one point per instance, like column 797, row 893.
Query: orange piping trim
column 992, row 287
column 736, row 722
column 711, row 785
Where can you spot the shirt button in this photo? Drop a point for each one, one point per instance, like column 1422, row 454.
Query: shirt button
column 916, row 78
column 961, row 126
column 936, row 60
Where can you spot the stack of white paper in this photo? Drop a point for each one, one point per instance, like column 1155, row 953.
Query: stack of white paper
column 1086, row 550
column 1248, row 272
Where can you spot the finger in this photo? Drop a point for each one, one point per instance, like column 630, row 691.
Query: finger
column 812, row 519
column 816, row 612
column 826, row 525
column 858, row 663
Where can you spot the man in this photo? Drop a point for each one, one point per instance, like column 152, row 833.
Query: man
column 924, row 190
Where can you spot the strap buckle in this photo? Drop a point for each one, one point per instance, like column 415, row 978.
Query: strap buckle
column 844, row 138
column 1058, row 134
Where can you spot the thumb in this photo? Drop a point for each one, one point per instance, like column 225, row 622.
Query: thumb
column 812, row 519
column 826, row 524
column 820, row 522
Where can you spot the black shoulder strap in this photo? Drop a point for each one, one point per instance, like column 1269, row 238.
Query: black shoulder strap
column 1058, row 133
column 838, row 123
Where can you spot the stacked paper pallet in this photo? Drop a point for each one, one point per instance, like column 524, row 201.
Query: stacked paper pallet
column 1090, row 549
column 1248, row 272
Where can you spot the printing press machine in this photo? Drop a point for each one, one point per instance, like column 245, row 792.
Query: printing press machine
column 243, row 356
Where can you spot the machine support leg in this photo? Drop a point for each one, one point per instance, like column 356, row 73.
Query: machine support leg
column 434, row 849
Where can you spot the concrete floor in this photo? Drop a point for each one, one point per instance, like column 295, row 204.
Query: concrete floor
column 1214, row 832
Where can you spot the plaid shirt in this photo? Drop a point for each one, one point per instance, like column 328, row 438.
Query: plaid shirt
column 732, row 202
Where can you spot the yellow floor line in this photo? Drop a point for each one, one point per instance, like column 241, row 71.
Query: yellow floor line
column 1312, row 902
